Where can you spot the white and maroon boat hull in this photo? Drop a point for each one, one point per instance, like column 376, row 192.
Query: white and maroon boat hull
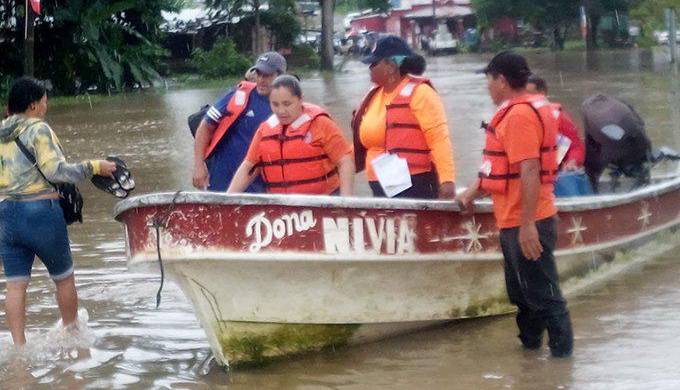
column 276, row 275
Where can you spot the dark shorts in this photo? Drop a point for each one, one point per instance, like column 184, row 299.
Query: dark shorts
column 34, row 228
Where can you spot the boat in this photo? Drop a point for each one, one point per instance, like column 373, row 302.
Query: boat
column 272, row 275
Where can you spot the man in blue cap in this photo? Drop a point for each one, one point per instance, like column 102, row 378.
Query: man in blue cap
column 224, row 135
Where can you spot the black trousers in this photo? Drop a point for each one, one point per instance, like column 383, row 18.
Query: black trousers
column 533, row 286
column 424, row 186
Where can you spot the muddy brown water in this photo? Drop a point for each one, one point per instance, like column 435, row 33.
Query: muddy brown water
column 627, row 329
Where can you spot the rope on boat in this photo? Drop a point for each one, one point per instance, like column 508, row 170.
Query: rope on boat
column 160, row 263
column 157, row 223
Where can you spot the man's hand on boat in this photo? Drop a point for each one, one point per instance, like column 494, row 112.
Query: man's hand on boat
column 447, row 190
column 529, row 241
column 201, row 177
column 467, row 198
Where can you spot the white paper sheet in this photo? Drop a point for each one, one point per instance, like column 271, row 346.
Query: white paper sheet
column 563, row 144
column 392, row 172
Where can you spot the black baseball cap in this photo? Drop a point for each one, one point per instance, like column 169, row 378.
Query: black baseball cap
column 509, row 64
column 388, row 46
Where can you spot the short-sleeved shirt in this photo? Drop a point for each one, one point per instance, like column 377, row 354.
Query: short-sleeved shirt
column 230, row 151
column 521, row 134
column 325, row 134
column 428, row 109
column 577, row 149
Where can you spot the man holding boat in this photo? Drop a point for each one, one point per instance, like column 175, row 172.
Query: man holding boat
column 518, row 171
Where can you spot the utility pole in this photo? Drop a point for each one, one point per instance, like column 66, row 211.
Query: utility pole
column 434, row 17
column 672, row 31
column 327, row 8
column 29, row 41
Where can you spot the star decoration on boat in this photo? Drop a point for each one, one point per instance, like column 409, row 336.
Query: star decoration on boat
column 576, row 230
column 645, row 214
column 473, row 236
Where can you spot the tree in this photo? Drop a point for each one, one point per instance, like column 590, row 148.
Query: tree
column 108, row 43
column 377, row 5
column 79, row 43
column 327, row 8
column 650, row 13
column 596, row 9
column 553, row 16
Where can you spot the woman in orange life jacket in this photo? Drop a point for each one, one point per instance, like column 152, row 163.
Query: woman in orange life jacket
column 402, row 115
column 298, row 150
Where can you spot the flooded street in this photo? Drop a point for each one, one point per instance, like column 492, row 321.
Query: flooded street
column 627, row 330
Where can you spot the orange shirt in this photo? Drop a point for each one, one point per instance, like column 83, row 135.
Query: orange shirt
column 325, row 134
column 521, row 134
column 428, row 109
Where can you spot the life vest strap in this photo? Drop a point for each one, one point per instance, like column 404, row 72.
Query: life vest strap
column 398, row 105
column 282, row 137
column 493, row 153
column 395, row 125
column 284, row 161
column 301, row 182
column 409, row 150
column 507, row 176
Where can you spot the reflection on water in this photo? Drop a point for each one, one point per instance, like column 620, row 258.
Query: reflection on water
column 627, row 331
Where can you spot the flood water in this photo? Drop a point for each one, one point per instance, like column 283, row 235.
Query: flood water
column 627, row 329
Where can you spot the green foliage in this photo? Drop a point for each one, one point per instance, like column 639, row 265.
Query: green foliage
column 304, row 56
column 223, row 60
column 650, row 13
column 540, row 13
column 554, row 17
column 110, row 44
column 282, row 26
column 279, row 19
column 5, row 84
column 347, row 6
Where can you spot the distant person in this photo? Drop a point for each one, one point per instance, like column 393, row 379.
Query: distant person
column 616, row 138
column 298, row 150
column 402, row 118
column 251, row 75
column 575, row 155
column 225, row 132
column 31, row 219
column 518, row 170
column 571, row 180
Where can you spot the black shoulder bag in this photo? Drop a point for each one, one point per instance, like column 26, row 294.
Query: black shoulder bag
column 70, row 199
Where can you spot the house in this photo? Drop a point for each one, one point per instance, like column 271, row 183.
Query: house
column 411, row 19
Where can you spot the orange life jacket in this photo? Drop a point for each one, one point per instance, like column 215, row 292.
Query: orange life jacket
column 290, row 164
column 403, row 135
column 237, row 104
column 496, row 171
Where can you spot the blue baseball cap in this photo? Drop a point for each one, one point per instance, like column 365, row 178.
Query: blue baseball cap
column 270, row 63
column 388, row 46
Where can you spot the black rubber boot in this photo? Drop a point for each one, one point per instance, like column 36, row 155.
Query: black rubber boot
column 561, row 335
column 531, row 329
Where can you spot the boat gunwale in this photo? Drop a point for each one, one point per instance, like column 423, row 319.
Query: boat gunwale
column 581, row 203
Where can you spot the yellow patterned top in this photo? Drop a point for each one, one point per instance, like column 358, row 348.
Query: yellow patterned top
column 18, row 176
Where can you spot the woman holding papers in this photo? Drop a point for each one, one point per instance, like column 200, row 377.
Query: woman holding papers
column 298, row 150
column 401, row 136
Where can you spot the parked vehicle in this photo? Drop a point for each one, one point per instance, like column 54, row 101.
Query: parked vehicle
column 442, row 42
column 661, row 37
